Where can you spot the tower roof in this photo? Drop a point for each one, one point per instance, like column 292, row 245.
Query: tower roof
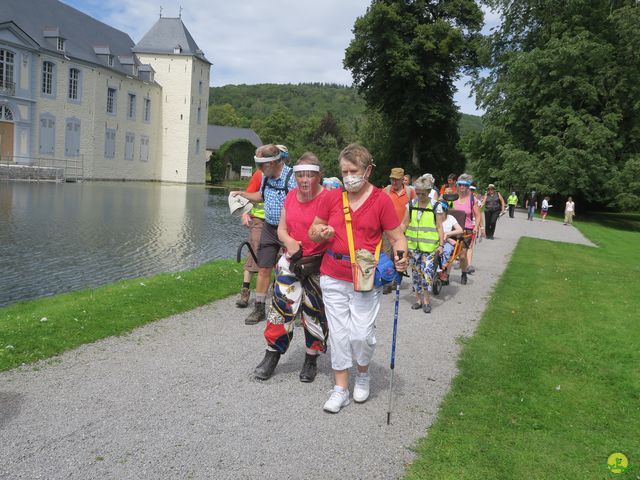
column 169, row 36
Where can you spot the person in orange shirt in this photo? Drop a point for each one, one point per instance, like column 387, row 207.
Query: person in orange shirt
column 400, row 196
column 451, row 183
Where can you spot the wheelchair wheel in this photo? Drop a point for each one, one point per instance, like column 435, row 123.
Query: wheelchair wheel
column 437, row 286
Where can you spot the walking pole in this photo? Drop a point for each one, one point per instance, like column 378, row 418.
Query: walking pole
column 393, row 341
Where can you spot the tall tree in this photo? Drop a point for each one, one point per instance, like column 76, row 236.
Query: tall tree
column 561, row 99
column 404, row 58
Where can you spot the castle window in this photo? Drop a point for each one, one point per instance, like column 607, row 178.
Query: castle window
column 72, row 138
column 199, row 115
column 5, row 113
column 111, row 101
column 47, row 133
column 144, row 148
column 147, row 110
column 48, row 69
column 131, row 108
column 197, row 146
column 74, row 84
column 6, row 72
column 110, row 143
column 129, row 141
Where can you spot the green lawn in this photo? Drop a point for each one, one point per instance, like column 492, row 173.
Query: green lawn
column 37, row 329
column 549, row 386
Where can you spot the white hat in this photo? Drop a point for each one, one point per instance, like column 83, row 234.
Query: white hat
column 238, row 205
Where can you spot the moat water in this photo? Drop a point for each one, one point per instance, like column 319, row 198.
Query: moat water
column 60, row 237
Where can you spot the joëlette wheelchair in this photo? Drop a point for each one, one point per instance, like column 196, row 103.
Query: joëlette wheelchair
column 464, row 240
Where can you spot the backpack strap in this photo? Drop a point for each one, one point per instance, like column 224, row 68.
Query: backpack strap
column 286, row 184
column 286, row 181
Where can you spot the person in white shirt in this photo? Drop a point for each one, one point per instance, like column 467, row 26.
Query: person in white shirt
column 451, row 229
column 569, row 211
column 544, row 209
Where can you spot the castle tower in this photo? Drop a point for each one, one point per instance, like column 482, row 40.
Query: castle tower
column 183, row 72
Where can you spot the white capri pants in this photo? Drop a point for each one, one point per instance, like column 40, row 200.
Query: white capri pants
column 352, row 322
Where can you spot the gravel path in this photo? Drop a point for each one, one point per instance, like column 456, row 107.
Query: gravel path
column 176, row 399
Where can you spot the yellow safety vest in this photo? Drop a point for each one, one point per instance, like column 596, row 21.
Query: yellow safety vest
column 512, row 200
column 257, row 210
column 422, row 234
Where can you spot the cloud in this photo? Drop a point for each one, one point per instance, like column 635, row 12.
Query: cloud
column 256, row 41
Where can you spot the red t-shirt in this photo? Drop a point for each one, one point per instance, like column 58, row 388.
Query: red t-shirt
column 255, row 182
column 299, row 216
column 374, row 216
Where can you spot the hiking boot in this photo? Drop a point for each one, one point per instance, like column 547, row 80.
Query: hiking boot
column 387, row 289
column 416, row 306
column 463, row 279
column 243, row 300
column 426, row 308
column 361, row 388
column 309, row 368
column 339, row 398
column 471, row 270
column 265, row 368
column 257, row 315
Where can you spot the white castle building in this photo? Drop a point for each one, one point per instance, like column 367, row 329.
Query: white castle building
column 77, row 93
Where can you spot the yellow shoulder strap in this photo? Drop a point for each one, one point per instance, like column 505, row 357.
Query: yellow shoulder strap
column 347, row 222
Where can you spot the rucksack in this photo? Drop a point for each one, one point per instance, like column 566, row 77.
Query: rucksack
column 279, row 189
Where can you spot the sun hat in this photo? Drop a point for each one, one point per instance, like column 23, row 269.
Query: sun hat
column 238, row 205
column 397, row 173
column 490, row 186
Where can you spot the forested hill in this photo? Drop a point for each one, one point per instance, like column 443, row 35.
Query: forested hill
column 253, row 102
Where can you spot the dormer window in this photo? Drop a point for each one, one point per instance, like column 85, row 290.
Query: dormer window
column 110, row 60
column 177, row 49
column 60, row 44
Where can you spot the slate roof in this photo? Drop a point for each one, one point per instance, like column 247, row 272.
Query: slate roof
column 165, row 36
column 218, row 134
column 81, row 32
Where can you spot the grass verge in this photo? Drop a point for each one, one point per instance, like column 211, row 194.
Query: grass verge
column 37, row 329
column 549, row 386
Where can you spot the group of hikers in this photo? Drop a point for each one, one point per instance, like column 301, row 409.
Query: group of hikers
column 531, row 205
column 334, row 234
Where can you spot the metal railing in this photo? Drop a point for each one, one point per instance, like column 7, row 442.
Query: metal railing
column 43, row 168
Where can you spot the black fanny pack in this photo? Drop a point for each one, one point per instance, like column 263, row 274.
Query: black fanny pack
column 302, row 267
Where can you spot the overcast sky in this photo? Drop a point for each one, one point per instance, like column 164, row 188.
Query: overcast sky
column 303, row 40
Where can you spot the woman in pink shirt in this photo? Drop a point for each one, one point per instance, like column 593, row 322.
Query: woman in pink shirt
column 296, row 288
column 351, row 314
column 472, row 220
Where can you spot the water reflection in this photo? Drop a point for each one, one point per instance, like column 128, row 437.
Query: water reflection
column 61, row 237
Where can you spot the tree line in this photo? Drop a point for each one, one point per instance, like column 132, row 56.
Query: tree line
column 559, row 82
column 322, row 118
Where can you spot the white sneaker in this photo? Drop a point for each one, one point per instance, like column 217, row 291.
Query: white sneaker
column 361, row 389
column 339, row 398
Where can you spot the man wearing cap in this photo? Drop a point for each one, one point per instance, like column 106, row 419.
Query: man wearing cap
column 277, row 180
column 400, row 197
